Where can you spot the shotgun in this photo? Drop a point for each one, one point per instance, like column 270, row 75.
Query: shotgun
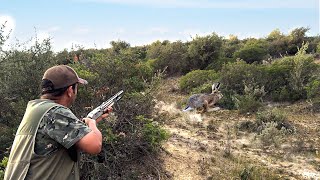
column 98, row 111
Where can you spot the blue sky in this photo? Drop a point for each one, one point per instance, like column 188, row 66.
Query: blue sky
column 94, row 23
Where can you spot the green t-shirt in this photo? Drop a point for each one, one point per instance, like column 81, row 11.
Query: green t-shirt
column 58, row 128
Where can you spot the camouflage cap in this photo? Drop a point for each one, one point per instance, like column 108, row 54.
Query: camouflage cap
column 62, row 76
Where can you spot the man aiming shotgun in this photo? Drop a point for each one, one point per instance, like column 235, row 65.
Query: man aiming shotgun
column 50, row 136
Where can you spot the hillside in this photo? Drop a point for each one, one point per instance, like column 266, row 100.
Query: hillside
column 212, row 146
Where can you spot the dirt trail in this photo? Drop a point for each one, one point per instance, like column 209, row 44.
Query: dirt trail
column 198, row 142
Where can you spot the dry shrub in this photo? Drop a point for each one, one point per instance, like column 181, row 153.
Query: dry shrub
column 233, row 167
column 273, row 116
column 270, row 135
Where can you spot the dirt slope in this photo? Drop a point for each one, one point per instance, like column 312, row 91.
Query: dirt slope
column 209, row 146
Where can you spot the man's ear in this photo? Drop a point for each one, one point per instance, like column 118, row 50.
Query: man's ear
column 69, row 91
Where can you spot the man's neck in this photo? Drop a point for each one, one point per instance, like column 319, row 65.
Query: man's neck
column 59, row 100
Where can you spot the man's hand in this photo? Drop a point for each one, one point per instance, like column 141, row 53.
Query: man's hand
column 106, row 113
column 91, row 142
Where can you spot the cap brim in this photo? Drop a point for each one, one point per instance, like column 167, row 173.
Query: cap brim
column 82, row 81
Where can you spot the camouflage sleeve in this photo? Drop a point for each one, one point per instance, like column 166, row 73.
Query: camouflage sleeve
column 64, row 127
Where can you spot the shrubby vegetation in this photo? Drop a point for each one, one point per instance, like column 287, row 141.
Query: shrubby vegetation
column 3, row 165
column 251, row 101
column 197, row 78
column 271, row 127
column 128, row 137
column 251, row 71
column 253, row 51
column 290, row 79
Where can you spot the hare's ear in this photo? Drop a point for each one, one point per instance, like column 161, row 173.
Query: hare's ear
column 213, row 87
column 217, row 86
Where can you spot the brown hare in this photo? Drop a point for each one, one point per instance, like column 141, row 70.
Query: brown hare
column 201, row 102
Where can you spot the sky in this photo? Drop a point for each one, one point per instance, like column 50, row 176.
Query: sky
column 95, row 23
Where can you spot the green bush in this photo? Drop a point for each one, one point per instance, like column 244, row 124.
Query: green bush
column 247, row 103
column 197, row 78
column 313, row 94
column 251, row 101
column 313, row 89
column 152, row 132
column 277, row 75
column 228, row 101
column 287, row 77
column 205, row 88
column 251, row 54
column 278, row 45
column 234, row 75
column 203, row 51
column 278, row 83
column 217, row 65
column 286, row 94
column 172, row 58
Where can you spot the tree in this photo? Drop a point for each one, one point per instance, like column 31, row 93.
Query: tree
column 278, row 43
column 153, row 50
column 296, row 38
column 172, row 57
column 231, row 45
column 203, row 51
column 3, row 36
column 253, row 51
column 119, row 45
column 274, row 35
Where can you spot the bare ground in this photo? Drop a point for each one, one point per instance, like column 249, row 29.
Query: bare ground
column 209, row 146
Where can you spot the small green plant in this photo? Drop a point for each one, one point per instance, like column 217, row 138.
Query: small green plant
column 3, row 165
column 152, row 132
column 318, row 48
column 314, row 104
column 313, row 89
column 250, row 172
column 1, row 174
column 251, row 101
column 246, row 104
column 272, row 127
column 270, row 135
column 247, row 126
column 246, row 173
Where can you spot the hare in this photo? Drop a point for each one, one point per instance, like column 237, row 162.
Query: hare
column 201, row 102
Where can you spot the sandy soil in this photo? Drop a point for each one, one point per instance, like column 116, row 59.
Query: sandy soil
column 197, row 138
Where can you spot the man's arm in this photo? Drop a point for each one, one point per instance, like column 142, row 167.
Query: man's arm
column 92, row 142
